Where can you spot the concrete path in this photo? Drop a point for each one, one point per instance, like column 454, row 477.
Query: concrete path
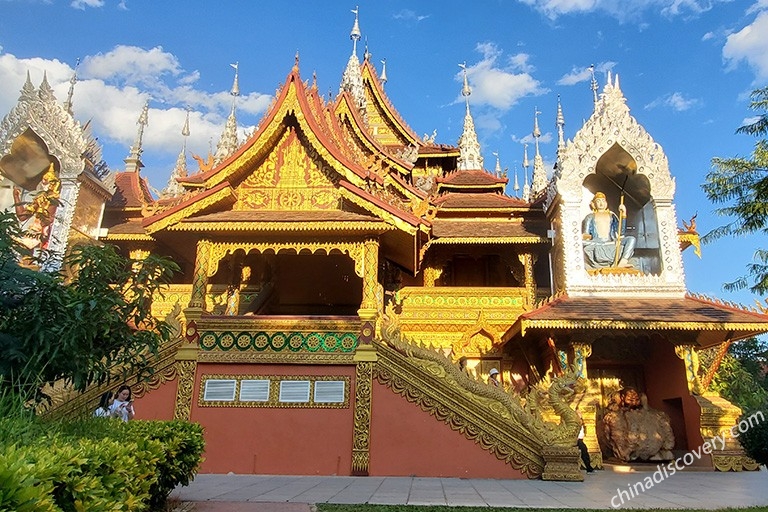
column 601, row 490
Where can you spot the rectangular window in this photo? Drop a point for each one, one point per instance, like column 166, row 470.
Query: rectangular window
column 220, row 390
column 254, row 390
column 294, row 391
column 329, row 391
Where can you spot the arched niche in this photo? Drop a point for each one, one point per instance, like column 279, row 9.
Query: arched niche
column 616, row 176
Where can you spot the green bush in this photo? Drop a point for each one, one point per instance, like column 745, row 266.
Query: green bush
column 755, row 439
column 96, row 464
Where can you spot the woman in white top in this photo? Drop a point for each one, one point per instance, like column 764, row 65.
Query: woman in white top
column 105, row 406
column 122, row 407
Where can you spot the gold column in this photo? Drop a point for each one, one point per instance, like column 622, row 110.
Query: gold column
column 365, row 358
column 202, row 260
column 369, row 306
column 529, row 260
column 691, row 360
column 185, row 372
column 580, row 352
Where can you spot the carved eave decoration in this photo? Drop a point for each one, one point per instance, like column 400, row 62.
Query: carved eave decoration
column 380, row 104
column 403, row 220
column 218, row 196
column 527, row 240
column 347, row 113
column 127, row 237
column 708, row 322
column 357, row 227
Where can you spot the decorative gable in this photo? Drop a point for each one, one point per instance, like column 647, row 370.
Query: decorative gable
column 290, row 178
column 614, row 157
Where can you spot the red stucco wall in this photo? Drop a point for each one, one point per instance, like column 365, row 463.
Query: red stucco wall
column 157, row 404
column 287, row 441
column 408, row 441
column 665, row 379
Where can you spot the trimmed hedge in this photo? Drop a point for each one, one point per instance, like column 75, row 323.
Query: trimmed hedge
column 100, row 465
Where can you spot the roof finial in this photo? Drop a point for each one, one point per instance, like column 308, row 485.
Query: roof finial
column 174, row 188
column 539, row 173
column 133, row 160
column 526, row 164
column 497, row 169
column 228, row 142
column 366, row 54
column 354, row 35
column 352, row 79
column 72, row 82
column 593, row 84
column 469, row 147
column 516, row 186
column 383, row 77
column 560, row 125
column 236, row 84
column 296, row 61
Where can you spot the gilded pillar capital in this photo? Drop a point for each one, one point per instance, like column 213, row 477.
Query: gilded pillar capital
column 690, row 357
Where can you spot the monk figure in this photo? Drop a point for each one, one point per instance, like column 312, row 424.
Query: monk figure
column 605, row 244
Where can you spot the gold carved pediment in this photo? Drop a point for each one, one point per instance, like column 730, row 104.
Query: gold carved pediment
column 292, row 177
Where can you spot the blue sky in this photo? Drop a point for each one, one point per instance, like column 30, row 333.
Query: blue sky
column 686, row 68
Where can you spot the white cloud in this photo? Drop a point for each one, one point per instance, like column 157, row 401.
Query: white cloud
column 131, row 65
column 578, row 75
column 112, row 89
column 676, row 101
column 750, row 45
column 500, row 87
column 409, row 15
column 82, row 4
column 625, row 10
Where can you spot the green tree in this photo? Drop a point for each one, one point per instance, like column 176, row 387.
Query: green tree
column 741, row 185
column 87, row 328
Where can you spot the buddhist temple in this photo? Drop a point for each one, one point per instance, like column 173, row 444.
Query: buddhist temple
column 347, row 286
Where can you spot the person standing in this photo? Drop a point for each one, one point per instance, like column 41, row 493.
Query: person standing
column 104, row 410
column 493, row 378
column 583, row 449
column 122, row 407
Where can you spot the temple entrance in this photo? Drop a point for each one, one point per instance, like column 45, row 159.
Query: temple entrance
column 287, row 284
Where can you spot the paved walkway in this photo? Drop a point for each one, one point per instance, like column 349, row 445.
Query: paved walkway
column 263, row 493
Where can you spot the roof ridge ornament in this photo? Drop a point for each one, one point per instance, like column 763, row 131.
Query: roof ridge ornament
column 469, row 147
column 593, row 85
column 355, row 34
column 526, row 164
column 539, row 178
column 383, row 77
column 180, row 171
column 228, row 142
column 352, row 79
column 133, row 160
column 71, row 92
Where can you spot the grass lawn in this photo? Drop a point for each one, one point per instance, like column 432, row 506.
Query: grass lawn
column 327, row 507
